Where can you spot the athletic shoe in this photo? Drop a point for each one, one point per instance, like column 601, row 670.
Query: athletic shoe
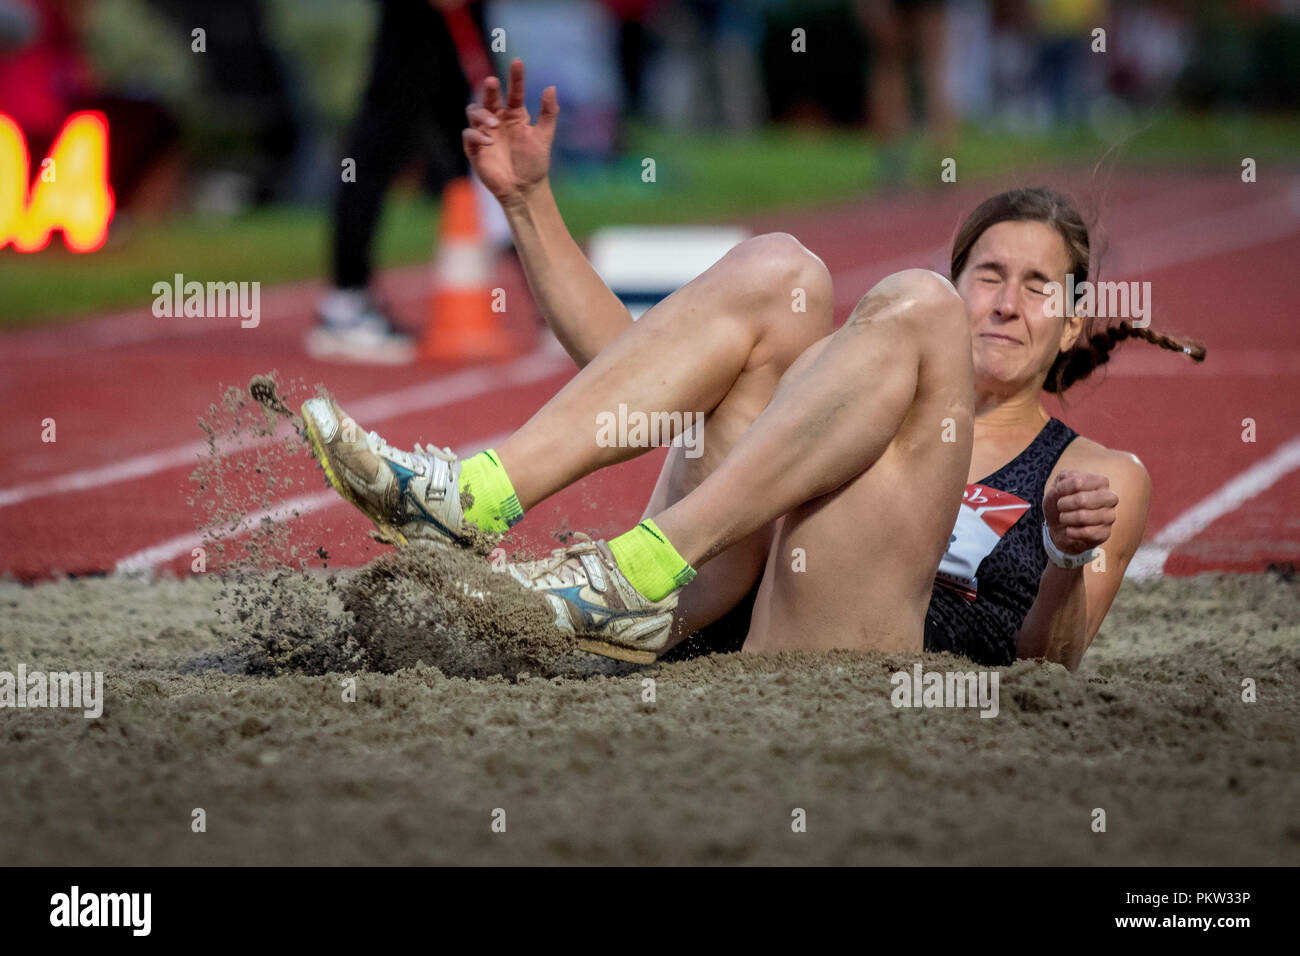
column 409, row 495
column 594, row 601
column 351, row 328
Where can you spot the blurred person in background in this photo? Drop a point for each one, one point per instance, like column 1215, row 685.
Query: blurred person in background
column 44, row 73
column 416, row 97
column 1244, row 56
column 249, row 86
column 815, row 62
column 705, row 71
column 1068, row 80
column 17, row 25
column 902, row 32
column 1042, row 73
column 1157, row 47
column 573, row 44
column 634, row 46
column 969, row 58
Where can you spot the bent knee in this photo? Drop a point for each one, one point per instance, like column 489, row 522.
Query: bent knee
column 925, row 287
column 919, row 297
column 779, row 266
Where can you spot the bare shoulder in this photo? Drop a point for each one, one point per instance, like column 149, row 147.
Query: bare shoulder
column 1123, row 468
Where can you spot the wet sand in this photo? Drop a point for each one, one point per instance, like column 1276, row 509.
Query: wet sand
column 452, row 722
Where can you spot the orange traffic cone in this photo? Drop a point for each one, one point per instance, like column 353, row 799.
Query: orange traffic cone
column 463, row 324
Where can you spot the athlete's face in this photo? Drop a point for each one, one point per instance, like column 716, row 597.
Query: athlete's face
column 1014, row 338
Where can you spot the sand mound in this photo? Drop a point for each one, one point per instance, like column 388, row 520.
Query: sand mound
column 443, row 607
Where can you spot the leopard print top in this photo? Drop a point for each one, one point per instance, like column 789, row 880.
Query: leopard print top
column 977, row 616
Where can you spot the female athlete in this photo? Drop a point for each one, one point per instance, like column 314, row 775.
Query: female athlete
column 894, row 484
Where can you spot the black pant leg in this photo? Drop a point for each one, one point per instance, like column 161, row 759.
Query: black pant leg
column 415, row 80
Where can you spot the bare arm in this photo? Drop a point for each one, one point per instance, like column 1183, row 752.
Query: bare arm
column 580, row 309
column 1086, row 510
column 512, row 157
column 1056, row 627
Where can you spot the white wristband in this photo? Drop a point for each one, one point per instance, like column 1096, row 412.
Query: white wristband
column 1068, row 562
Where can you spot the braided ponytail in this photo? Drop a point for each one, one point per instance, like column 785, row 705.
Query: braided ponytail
column 1093, row 349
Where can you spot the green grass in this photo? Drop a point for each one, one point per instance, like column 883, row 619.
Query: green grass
column 698, row 177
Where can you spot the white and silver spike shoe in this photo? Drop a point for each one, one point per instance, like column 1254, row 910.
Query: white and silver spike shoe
column 593, row 600
column 409, row 496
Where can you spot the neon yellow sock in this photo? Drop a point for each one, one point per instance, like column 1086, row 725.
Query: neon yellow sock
column 649, row 562
column 496, row 506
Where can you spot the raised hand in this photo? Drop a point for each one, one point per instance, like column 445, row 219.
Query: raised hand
column 1080, row 510
column 510, row 154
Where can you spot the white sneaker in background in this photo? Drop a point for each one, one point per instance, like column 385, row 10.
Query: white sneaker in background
column 351, row 328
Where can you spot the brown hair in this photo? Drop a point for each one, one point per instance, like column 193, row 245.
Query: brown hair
column 1097, row 338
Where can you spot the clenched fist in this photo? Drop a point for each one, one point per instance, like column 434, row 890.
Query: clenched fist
column 1080, row 510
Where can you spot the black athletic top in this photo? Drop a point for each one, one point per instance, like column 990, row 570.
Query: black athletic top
column 988, row 578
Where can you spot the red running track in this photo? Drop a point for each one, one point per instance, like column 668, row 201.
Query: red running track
column 125, row 390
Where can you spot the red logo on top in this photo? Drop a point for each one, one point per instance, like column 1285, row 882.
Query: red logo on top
column 985, row 515
column 997, row 509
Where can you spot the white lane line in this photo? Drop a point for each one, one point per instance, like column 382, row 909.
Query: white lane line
column 1149, row 562
column 460, row 386
column 124, row 470
column 282, row 303
column 154, row 555
column 1212, row 235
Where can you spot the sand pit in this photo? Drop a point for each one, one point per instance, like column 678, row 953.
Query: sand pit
column 382, row 715
column 1153, row 730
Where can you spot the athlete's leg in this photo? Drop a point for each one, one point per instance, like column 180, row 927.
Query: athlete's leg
column 721, row 342
column 717, row 347
column 853, row 411
column 835, row 412
column 868, row 550
column 724, row 580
